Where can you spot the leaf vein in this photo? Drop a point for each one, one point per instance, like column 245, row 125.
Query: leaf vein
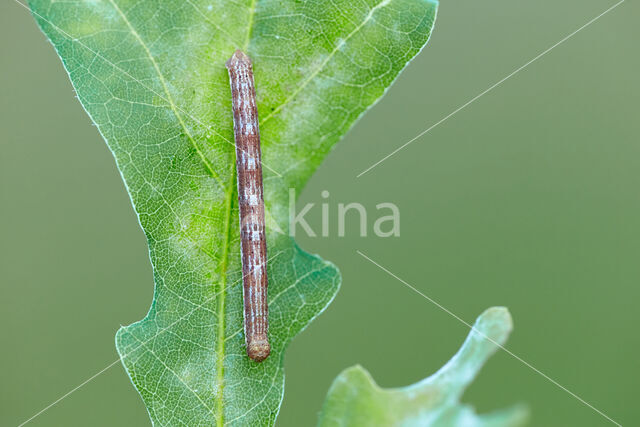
column 326, row 61
column 151, row 352
column 165, row 87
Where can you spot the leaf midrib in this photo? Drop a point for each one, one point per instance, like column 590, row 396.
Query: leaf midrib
column 252, row 14
column 221, row 300
column 225, row 257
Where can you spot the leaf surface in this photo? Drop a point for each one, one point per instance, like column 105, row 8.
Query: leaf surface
column 354, row 399
column 151, row 75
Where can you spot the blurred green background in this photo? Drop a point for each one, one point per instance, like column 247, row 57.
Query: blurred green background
column 528, row 198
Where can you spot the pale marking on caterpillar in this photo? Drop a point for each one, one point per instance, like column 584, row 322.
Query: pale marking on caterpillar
column 251, row 205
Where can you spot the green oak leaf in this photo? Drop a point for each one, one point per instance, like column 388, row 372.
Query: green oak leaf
column 151, row 75
column 354, row 399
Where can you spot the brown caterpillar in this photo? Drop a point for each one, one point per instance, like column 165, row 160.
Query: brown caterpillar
column 251, row 204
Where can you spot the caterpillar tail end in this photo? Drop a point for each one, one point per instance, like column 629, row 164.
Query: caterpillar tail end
column 258, row 349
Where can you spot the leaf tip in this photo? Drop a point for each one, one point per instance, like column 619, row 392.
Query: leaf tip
column 496, row 323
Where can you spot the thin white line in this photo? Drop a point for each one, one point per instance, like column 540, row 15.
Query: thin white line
column 94, row 376
column 446, row 310
column 88, row 380
column 490, row 88
column 98, row 55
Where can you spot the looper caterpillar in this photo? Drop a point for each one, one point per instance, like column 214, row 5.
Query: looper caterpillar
column 251, row 204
